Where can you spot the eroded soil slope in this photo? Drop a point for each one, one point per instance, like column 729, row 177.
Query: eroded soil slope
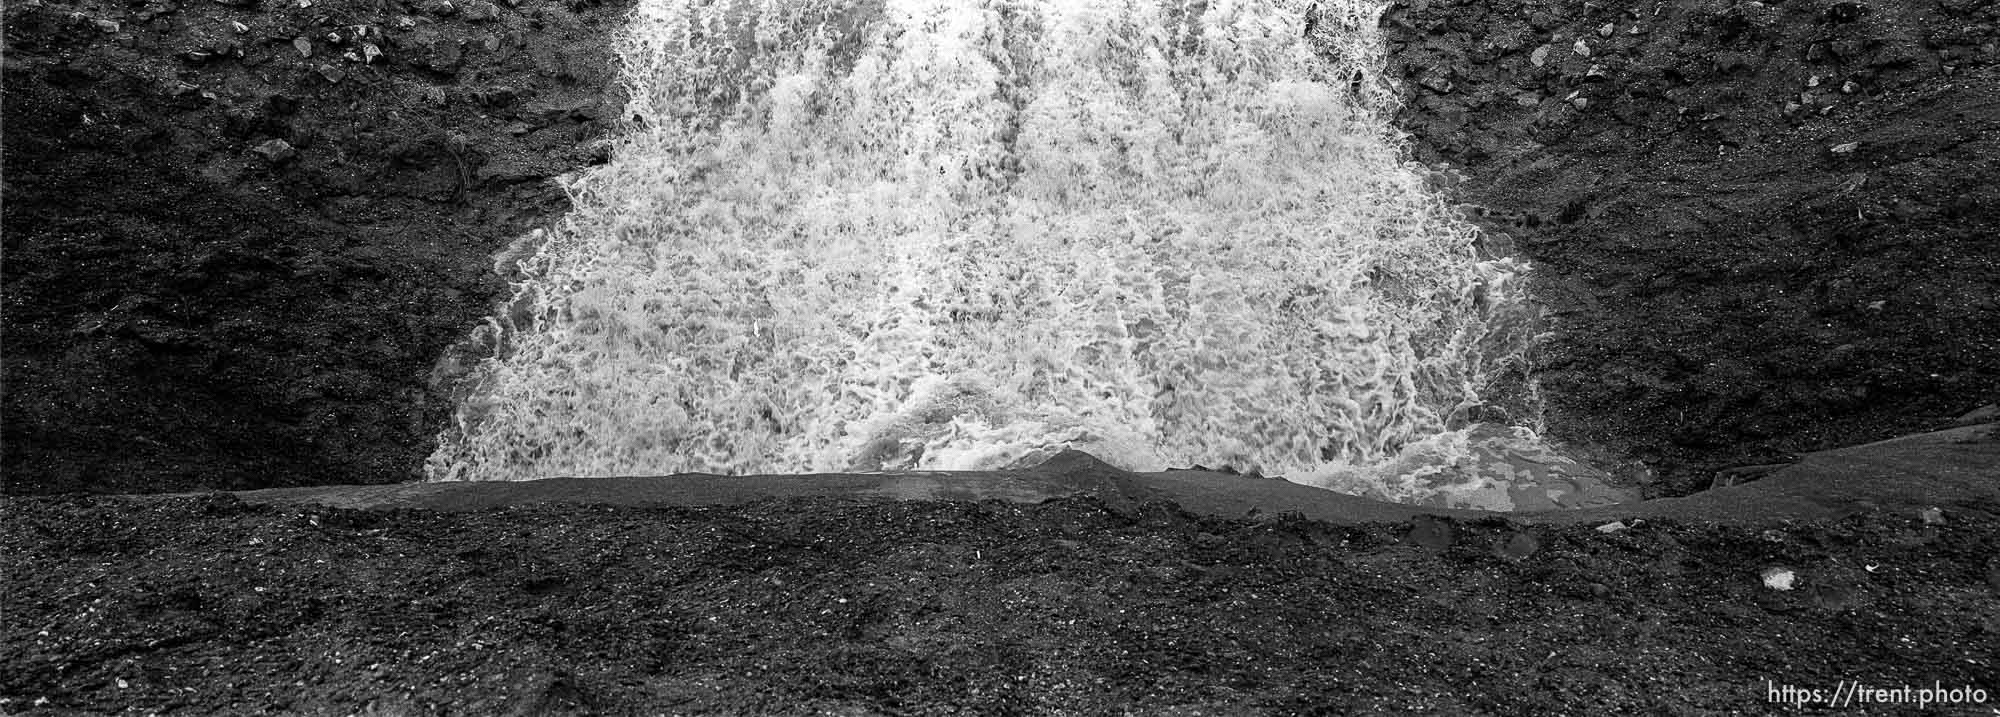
column 1765, row 227
column 238, row 235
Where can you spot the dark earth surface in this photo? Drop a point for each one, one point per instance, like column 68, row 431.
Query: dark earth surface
column 183, row 312
column 205, row 604
column 1730, row 282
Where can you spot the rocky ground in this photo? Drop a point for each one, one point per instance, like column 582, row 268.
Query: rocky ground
column 239, row 235
column 1764, row 228
column 206, row 605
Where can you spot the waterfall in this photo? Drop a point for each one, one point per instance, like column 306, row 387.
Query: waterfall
column 929, row 235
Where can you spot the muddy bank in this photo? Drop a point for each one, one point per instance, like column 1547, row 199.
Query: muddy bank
column 238, row 235
column 211, row 606
column 1071, row 588
column 1906, row 476
column 1764, row 228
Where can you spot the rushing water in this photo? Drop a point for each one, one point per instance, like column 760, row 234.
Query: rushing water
column 919, row 234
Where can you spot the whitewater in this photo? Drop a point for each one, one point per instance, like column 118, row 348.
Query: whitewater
column 927, row 235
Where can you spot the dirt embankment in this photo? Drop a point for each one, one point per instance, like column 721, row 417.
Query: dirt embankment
column 1765, row 227
column 238, row 233
column 210, row 606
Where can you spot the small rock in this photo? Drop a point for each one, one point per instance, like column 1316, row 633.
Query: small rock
column 502, row 96
column 1931, row 516
column 405, row 22
column 1612, row 527
column 1596, row 72
column 331, row 73
column 369, row 52
column 239, row 27
column 276, row 151
column 480, row 11
column 1581, row 48
column 1844, row 148
column 1432, row 533
column 335, row 38
column 1540, row 56
column 106, row 26
column 1813, row 81
column 1436, row 81
column 601, row 151
column 434, row 51
column 350, row 56
column 1580, row 102
column 1777, row 578
column 1848, row 87
column 1846, row 11
column 303, row 45
column 1518, row 547
column 440, row 8
column 1606, row 30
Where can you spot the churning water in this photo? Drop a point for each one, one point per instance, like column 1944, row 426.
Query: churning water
column 920, row 234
